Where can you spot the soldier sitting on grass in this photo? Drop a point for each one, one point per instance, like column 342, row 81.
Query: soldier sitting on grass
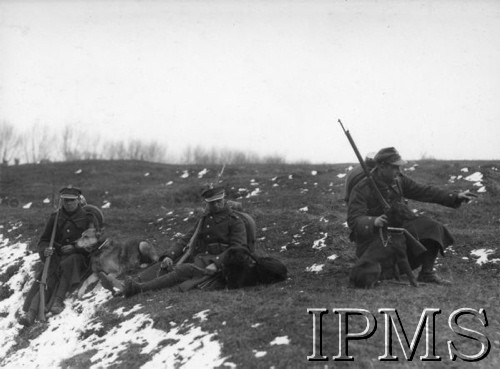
column 219, row 230
column 68, row 265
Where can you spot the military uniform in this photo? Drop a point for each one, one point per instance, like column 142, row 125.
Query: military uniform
column 65, row 270
column 219, row 231
column 364, row 208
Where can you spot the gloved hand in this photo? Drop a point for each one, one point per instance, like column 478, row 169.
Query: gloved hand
column 67, row 249
column 48, row 251
column 381, row 221
column 167, row 264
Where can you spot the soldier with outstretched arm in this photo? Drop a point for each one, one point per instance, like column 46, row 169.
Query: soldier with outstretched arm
column 366, row 214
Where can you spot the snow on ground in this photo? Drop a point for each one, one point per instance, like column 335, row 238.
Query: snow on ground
column 73, row 332
column 202, row 173
column 283, row 340
column 483, row 254
column 315, row 268
column 320, row 243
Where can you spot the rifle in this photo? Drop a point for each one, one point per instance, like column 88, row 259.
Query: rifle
column 190, row 245
column 413, row 243
column 380, row 197
column 43, row 280
column 219, row 175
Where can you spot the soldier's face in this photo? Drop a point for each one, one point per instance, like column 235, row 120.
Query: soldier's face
column 215, row 206
column 70, row 204
column 388, row 172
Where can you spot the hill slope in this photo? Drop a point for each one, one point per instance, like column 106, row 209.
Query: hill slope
column 300, row 216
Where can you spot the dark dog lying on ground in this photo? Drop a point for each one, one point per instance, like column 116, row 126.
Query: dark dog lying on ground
column 242, row 268
column 114, row 257
column 382, row 257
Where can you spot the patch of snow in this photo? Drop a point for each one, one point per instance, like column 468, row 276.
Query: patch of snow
column 185, row 345
column 146, row 174
column 202, row 173
column 169, row 183
column 314, row 172
column 464, row 170
column 79, row 171
column 283, row 340
column 304, row 209
column 341, row 175
column 332, row 257
column 28, row 205
column 315, row 268
column 106, row 205
column 482, row 255
column 46, row 201
column 475, row 177
column 202, row 315
column 482, row 189
column 256, row 325
column 254, row 192
column 185, row 174
column 349, row 168
column 121, row 311
column 259, row 353
column 345, row 225
column 320, row 244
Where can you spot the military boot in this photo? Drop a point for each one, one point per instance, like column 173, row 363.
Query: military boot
column 27, row 318
column 427, row 273
column 164, row 281
column 58, row 306
column 111, row 283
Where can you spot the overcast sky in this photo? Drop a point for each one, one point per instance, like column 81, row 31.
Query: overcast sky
column 267, row 76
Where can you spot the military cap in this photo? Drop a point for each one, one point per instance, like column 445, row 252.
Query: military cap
column 70, row 192
column 389, row 155
column 213, row 194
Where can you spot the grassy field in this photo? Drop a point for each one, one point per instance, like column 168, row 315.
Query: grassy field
column 300, row 215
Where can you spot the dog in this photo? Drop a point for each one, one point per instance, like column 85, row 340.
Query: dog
column 382, row 258
column 113, row 257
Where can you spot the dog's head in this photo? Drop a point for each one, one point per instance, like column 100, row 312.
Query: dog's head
column 89, row 240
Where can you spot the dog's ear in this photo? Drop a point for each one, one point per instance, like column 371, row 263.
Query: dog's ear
column 99, row 232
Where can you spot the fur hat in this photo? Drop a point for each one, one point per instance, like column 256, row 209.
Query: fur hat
column 389, row 155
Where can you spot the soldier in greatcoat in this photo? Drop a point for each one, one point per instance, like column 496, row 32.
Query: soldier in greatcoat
column 219, row 230
column 68, row 264
column 366, row 216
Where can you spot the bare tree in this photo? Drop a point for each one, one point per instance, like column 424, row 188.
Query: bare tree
column 38, row 144
column 9, row 142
